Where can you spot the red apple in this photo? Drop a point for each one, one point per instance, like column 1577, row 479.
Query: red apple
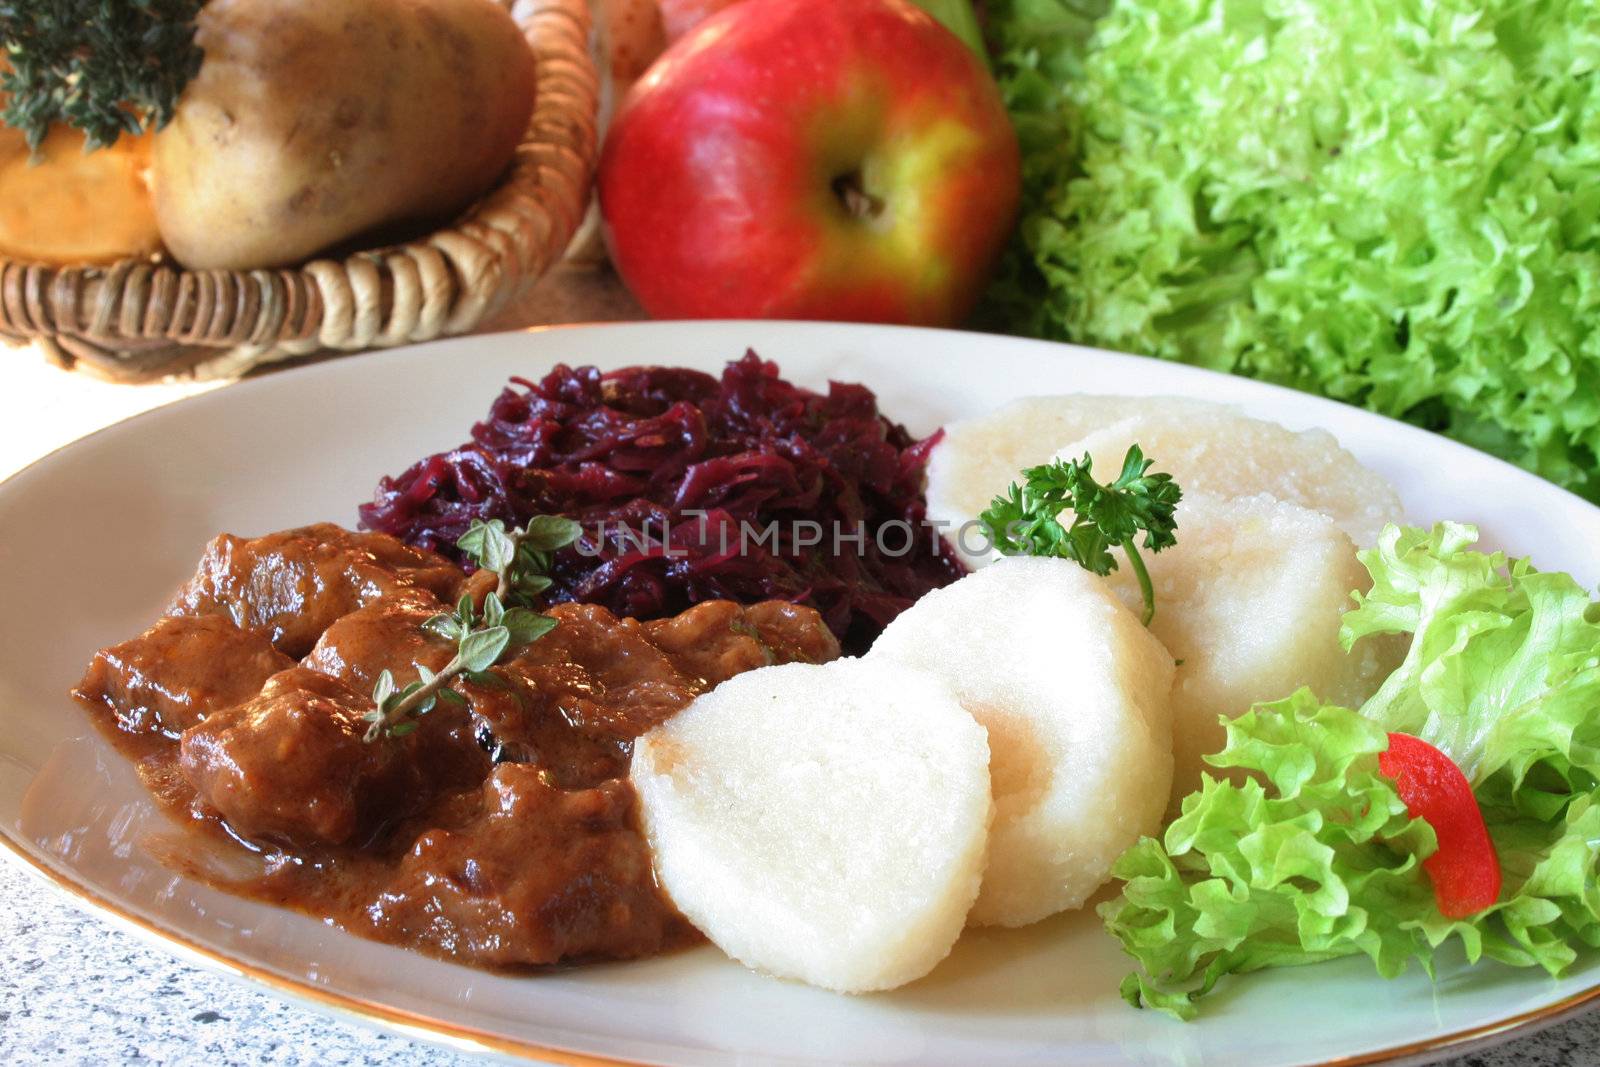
column 833, row 159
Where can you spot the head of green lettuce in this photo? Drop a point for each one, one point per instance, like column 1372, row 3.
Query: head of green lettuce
column 1394, row 203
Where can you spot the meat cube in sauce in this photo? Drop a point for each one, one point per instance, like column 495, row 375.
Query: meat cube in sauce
column 291, row 766
column 574, row 700
column 499, row 833
column 386, row 634
column 718, row 639
column 292, row 585
column 540, row 875
column 795, row 633
column 632, row 684
column 178, row 672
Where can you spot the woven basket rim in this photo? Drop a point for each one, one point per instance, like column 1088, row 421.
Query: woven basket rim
column 145, row 318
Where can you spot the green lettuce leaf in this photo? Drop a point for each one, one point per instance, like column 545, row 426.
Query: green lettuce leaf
column 1504, row 666
column 1503, row 676
column 1395, row 203
column 1306, row 853
column 1316, row 858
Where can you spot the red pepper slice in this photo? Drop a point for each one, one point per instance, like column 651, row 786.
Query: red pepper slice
column 1465, row 870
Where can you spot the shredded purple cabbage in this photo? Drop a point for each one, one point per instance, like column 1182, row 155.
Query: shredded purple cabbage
column 637, row 451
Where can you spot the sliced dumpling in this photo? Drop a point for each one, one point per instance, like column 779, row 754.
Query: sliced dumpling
column 1073, row 693
column 1209, row 448
column 1216, row 451
column 1249, row 602
column 825, row 823
column 978, row 458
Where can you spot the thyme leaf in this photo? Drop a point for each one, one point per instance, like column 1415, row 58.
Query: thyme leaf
column 521, row 558
column 107, row 67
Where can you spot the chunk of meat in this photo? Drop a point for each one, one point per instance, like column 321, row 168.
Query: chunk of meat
column 573, row 701
column 717, row 639
column 178, row 672
column 498, row 832
column 633, row 684
column 292, row 585
column 794, row 632
column 472, row 894
column 290, row 765
column 523, row 717
column 385, row 634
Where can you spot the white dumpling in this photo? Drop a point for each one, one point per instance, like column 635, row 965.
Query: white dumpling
column 1072, row 690
column 1210, row 449
column 1249, row 602
column 977, row 458
column 1215, row 451
column 825, row 823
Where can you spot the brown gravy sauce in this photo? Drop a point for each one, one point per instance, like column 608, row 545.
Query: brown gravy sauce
column 502, row 832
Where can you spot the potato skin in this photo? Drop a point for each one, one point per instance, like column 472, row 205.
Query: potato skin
column 72, row 206
column 313, row 122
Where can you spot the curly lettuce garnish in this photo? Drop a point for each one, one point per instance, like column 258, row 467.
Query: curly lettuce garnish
column 1310, row 855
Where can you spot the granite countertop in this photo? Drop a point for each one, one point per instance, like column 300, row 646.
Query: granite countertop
column 74, row 990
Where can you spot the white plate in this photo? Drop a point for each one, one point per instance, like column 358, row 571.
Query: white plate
column 97, row 535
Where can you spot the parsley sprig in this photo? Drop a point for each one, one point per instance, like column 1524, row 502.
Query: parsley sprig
column 522, row 559
column 1027, row 520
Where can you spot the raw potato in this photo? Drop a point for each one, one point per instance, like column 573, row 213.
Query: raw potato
column 825, row 823
column 315, row 122
column 628, row 36
column 681, row 16
column 72, row 206
column 1215, row 451
column 1073, row 692
column 1249, row 601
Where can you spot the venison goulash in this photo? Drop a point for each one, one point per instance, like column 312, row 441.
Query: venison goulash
column 501, row 832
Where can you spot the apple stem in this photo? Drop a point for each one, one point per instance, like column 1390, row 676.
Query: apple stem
column 858, row 203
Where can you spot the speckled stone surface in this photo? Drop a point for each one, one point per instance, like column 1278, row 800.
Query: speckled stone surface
column 75, row 991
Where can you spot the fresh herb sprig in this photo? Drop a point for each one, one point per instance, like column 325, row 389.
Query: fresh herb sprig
column 521, row 558
column 108, row 67
column 481, row 639
column 1027, row 520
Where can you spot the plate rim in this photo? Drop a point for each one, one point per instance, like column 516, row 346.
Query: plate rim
column 345, row 360
column 441, row 1031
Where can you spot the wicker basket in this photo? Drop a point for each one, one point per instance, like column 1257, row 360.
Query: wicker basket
column 142, row 319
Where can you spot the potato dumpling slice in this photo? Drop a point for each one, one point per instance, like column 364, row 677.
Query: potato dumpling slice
column 1208, row 448
column 1249, row 602
column 825, row 823
column 1215, row 451
column 1073, row 693
column 979, row 457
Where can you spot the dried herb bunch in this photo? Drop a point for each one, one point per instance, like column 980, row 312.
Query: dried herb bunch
column 107, row 67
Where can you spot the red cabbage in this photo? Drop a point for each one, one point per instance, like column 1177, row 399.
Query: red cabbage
column 636, row 451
